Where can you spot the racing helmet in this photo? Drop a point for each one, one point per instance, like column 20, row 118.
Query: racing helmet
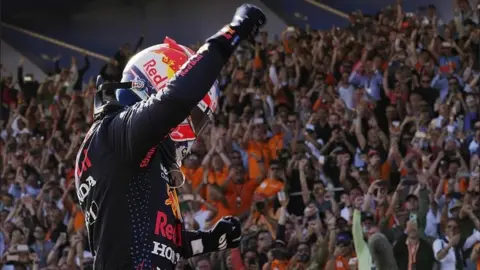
column 149, row 72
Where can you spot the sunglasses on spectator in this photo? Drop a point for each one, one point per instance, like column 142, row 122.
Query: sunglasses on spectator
column 452, row 227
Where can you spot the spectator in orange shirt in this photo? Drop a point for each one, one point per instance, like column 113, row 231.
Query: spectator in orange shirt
column 215, row 166
column 343, row 255
column 240, row 196
column 217, row 204
column 256, row 146
column 274, row 183
column 375, row 167
column 77, row 222
column 193, row 174
column 216, row 161
column 275, row 143
column 452, row 179
column 218, row 169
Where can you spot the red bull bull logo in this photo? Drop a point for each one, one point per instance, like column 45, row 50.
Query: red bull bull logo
column 173, row 202
column 172, row 57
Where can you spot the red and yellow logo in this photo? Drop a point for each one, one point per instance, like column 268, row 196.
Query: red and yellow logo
column 174, row 59
column 173, row 202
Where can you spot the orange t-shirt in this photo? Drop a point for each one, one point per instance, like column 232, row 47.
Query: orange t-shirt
column 218, row 177
column 278, row 265
column 222, row 211
column 245, row 193
column 319, row 103
column 260, row 150
column 477, row 246
column 194, row 176
column 462, row 185
column 78, row 221
column 391, row 221
column 257, row 62
column 384, row 172
column 286, row 46
column 269, row 187
column 341, row 263
column 275, row 143
column 78, row 218
column 76, row 213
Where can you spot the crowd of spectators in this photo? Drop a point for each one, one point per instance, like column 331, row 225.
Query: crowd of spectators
column 323, row 138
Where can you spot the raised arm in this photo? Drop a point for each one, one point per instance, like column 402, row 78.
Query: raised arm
column 134, row 131
column 145, row 124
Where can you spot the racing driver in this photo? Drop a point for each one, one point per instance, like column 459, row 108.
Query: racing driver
column 144, row 126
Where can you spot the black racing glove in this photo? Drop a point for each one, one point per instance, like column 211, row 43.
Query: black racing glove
column 245, row 26
column 228, row 232
column 225, row 234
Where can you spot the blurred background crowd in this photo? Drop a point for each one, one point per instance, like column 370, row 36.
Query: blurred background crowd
column 323, row 138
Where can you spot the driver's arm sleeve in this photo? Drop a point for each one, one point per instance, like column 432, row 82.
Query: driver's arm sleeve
column 200, row 242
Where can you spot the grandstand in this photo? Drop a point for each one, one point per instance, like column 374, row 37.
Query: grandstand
column 355, row 128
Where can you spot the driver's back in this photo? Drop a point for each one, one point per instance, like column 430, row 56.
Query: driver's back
column 129, row 209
